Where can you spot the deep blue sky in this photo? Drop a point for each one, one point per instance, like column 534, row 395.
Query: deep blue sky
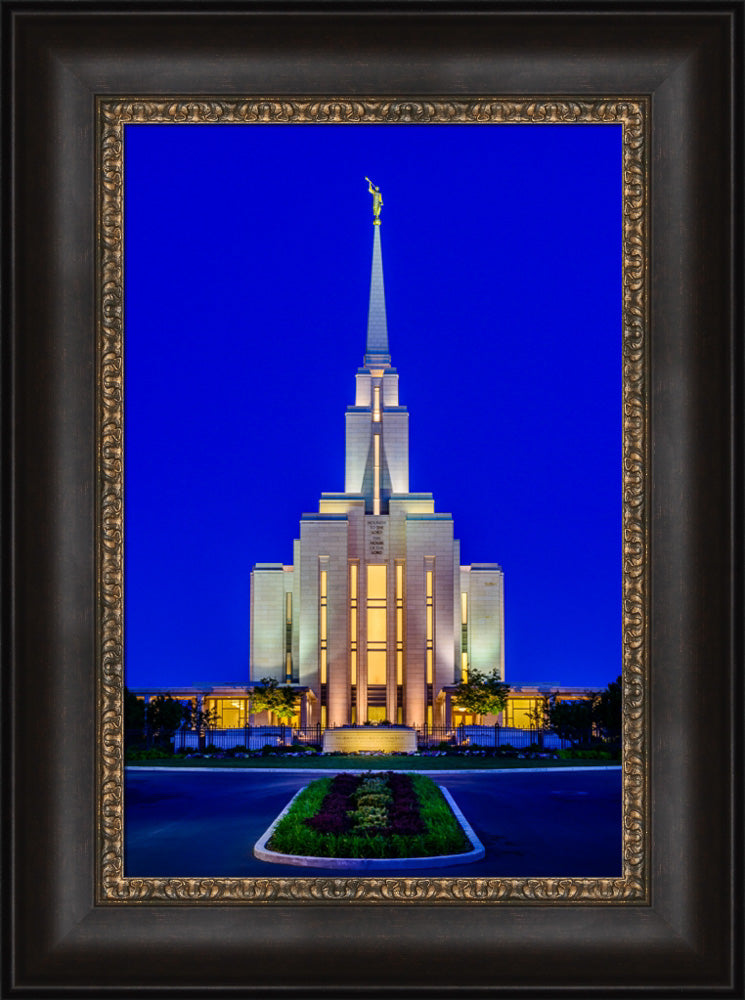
column 247, row 263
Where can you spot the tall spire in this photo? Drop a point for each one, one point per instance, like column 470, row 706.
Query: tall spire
column 376, row 352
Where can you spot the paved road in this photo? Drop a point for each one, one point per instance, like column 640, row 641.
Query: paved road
column 202, row 824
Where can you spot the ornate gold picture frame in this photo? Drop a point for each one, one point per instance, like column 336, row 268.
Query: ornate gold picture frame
column 113, row 884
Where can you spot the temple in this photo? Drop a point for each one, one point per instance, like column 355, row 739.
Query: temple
column 376, row 619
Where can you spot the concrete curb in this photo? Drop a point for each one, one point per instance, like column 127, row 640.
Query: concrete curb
column 476, row 853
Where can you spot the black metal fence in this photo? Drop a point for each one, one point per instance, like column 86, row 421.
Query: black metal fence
column 246, row 738
column 489, row 738
column 428, row 738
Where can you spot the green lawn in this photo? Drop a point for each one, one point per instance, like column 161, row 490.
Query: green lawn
column 366, row 833
column 366, row 763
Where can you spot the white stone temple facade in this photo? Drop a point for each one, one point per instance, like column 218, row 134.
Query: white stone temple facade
column 376, row 618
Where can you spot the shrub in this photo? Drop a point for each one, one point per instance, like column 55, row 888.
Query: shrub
column 152, row 754
column 572, row 754
column 373, row 800
column 373, row 785
column 370, row 817
column 326, row 819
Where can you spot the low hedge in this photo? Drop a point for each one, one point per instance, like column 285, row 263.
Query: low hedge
column 148, row 754
column 588, row 754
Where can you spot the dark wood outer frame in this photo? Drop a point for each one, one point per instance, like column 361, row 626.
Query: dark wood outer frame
column 113, row 117
column 688, row 58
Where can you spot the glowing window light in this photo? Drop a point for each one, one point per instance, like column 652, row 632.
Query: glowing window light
column 353, row 622
column 376, row 581
column 323, row 625
column 376, row 666
column 399, row 623
column 430, row 624
column 376, row 474
column 377, row 623
column 288, row 636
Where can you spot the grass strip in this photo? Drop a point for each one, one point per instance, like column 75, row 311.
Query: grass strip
column 442, row 833
column 387, row 763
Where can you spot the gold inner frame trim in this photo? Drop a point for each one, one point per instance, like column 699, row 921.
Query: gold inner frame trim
column 113, row 886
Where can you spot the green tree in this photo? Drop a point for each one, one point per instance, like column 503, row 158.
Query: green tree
column 272, row 696
column 538, row 715
column 573, row 719
column 199, row 718
column 165, row 714
column 609, row 711
column 134, row 711
column 481, row 694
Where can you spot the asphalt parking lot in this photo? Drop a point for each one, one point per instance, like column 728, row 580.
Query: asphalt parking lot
column 204, row 824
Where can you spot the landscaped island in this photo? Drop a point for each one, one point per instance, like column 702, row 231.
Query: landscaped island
column 383, row 817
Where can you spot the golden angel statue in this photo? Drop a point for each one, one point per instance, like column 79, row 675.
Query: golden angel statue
column 377, row 198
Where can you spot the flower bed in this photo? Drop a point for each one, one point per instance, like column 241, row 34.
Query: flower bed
column 388, row 815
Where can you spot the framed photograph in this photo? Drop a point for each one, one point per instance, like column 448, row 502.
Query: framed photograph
column 258, row 354
column 205, row 285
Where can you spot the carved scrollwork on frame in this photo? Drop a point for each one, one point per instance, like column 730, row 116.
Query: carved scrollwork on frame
column 113, row 884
